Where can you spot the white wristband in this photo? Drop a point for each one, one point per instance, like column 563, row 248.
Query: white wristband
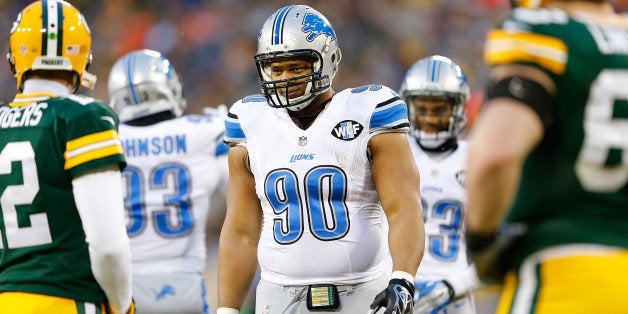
column 403, row 275
column 227, row 310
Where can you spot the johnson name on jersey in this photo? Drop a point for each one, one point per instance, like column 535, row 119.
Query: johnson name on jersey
column 173, row 168
column 315, row 185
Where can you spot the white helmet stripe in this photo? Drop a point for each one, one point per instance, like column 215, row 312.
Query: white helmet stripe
column 52, row 16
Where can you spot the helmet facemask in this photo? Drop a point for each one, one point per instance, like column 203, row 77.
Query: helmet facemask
column 436, row 77
column 450, row 121
column 274, row 90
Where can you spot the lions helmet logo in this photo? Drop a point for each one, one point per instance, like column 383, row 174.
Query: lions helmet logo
column 317, row 26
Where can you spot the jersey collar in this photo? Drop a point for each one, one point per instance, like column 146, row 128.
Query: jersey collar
column 38, row 90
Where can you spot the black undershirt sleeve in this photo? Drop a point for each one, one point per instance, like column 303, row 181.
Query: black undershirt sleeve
column 527, row 91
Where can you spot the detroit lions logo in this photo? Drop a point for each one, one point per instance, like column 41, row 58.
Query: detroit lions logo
column 317, row 26
column 165, row 290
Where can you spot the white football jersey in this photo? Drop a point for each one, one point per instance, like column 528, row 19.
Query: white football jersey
column 444, row 199
column 174, row 167
column 323, row 222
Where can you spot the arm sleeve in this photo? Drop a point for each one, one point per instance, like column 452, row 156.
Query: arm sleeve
column 98, row 197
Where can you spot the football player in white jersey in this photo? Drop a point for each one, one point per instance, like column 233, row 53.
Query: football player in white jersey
column 175, row 163
column 322, row 185
column 436, row 90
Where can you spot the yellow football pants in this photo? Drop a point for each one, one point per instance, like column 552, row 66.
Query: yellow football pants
column 570, row 279
column 30, row 303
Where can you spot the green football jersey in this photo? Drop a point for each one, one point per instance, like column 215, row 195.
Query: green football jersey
column 574, row 185
column 45, row 142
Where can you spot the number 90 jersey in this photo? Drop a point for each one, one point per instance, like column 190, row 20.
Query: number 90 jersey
column 174, row 167
column 444, row 200
column 574, row 185
column 322, row 220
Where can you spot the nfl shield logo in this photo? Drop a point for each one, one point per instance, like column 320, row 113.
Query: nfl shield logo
column 302, row 140
column 73, row 49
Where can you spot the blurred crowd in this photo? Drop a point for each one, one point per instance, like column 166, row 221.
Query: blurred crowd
column 212, row 42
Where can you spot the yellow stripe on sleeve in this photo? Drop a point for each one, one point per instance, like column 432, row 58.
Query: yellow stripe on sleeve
column 90, row 139
column 504, row 47
column 91, row 147
column 93, row 155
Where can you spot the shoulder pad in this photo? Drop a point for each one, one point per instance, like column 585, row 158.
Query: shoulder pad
column 374, row 93
column 254, row 98
column 539, row 16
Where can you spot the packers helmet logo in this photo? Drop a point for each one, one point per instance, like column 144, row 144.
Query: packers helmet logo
column 317, row 26
column 347, row 130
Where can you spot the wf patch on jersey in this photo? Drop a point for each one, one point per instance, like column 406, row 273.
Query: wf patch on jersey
column 347, row 130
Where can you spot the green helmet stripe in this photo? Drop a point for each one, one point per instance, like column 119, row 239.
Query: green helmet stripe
column 59, row 29
column 44, row 23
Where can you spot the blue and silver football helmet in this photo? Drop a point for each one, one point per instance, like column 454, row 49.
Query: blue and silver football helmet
column 297, row 31
column 142, row 83
column 436, row 76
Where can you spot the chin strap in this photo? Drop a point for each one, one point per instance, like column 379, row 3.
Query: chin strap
column 88, row 80
column 450, row 144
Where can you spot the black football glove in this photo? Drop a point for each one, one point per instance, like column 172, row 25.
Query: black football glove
column 488, row 251
column 397, row 298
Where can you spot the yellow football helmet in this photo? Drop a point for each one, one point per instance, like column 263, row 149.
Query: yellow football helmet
column 51, row 35
column 529, row 3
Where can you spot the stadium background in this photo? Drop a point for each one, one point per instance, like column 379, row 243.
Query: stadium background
column 211, row 44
